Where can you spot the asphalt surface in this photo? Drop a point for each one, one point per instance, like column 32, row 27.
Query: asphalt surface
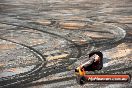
column 77, row 27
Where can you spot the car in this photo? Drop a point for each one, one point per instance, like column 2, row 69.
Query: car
column 94, row 63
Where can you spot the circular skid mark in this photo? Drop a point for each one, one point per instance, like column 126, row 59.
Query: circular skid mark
column 51, row 31
column 27, row 74
column 41, row 28
column 5, row 80
column 64, row 10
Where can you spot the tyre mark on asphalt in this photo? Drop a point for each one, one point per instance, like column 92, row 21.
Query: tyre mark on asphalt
column 5, row 80
column 51, row 34
column 70, row 78
column 120, row 31
column 31, row 75
column 43, row 31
